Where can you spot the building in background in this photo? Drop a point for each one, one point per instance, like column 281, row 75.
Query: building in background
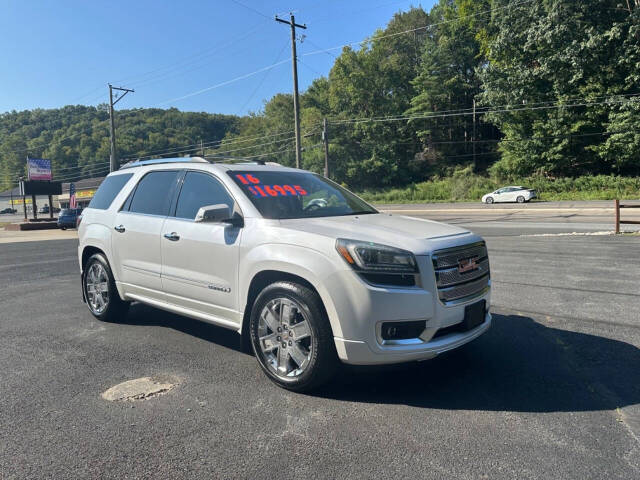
column 84, row 192
column 85, row 189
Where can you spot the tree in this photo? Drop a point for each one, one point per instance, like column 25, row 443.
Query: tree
column 545, row 60
column 447, row 84
column 376, row 81
column 76, row 138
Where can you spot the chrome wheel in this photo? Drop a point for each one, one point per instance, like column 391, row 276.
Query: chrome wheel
column 97, row 288
column 285, row 337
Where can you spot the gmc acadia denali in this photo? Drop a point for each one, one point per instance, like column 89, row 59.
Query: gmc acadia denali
column 308, row 273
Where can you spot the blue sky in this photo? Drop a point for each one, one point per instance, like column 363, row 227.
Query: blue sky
column 57, row 53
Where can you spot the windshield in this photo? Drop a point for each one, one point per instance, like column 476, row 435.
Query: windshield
column 280, row 195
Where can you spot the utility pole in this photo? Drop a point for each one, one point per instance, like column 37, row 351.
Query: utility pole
column 294, row 63
column 325, row 141
column 475, row 163
column 113, row 159
column 201, row 148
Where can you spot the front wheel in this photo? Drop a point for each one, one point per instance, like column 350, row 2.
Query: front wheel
column 63, row 228
column 489, row 200
column 100, row 291
column 291, row 337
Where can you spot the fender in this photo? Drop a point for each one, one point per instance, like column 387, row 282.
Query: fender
column 304, row 262
column 99, row 236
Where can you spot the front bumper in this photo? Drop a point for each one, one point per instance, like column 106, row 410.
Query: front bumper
column 361, row 310
column 356, row 352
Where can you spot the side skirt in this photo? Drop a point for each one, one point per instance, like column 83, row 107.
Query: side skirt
column 187, row 312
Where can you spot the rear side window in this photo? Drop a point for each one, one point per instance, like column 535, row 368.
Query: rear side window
column 200, row 190
column 154, row 192
column 108, row 190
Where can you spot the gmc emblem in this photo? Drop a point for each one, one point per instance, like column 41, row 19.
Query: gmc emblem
column 467, row 264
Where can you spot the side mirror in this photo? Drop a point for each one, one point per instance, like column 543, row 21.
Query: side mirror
column 214, row 213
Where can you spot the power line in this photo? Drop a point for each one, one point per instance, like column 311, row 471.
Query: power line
column 251, row 8
column 306, row 134
column 162, row 73
column 256, row 146
column 264, row 77
column 232, row 141
column 100, row 171
column 466, row 112
column 424, row 27
column 485, row 109
column 351, row 12
column 193, row 65
column 77, row 167
column 222, row 84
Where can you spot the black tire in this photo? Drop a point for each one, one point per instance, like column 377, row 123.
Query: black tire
column 520, row 199
column 63, row 228
column 489, row 200
column 116, row 308
column 322, row 356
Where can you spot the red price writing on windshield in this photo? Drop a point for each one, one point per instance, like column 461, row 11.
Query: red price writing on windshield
column 276, row 190
column 247, row 179
column 253, row 184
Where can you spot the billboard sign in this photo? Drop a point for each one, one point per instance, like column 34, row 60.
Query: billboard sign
column 40, row 188
column 39, row 169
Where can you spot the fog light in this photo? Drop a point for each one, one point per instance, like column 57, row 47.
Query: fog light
column 402, row 330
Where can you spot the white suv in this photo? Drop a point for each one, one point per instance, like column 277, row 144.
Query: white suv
column 304, row 270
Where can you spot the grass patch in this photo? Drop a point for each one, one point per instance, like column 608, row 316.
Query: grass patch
column 464, row 186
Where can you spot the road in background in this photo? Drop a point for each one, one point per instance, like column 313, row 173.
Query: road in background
column 551, row 391
column 523, row 219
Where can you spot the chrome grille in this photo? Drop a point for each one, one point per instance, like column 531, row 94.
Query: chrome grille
column 453, row 282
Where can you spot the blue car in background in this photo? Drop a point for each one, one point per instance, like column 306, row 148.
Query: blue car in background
column 68, row 217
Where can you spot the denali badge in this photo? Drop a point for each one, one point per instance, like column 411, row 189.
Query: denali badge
column 467, row 264
column 218, row 288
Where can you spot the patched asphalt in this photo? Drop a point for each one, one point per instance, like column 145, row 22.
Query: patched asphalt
column 551, row 391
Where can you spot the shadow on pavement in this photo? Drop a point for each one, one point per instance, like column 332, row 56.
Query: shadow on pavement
column 518, row 365
column 144, row 315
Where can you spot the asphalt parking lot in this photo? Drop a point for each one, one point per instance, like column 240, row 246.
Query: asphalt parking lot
column 551, row 391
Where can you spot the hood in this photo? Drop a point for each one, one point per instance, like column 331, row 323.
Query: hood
column 417, row 235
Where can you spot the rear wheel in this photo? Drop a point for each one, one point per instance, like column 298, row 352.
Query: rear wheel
column 100, row 291
column 63, row 228
column 489, row 200
column 520, row 199
column 291, row 337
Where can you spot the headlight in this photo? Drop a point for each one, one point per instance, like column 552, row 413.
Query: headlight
column 376, row 258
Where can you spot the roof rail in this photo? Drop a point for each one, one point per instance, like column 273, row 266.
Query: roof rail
column 156, row 161
column 239, row 160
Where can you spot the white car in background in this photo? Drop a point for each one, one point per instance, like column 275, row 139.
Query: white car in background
column 510, row 194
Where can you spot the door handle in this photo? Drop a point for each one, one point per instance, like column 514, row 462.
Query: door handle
column 119, row 228
column 173, row 236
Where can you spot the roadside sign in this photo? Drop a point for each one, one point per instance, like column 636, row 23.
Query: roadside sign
column 39, row 168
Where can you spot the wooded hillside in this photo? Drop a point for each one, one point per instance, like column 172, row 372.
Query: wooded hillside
column 514, row 88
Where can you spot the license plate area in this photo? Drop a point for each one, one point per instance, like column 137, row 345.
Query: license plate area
column 474, row 315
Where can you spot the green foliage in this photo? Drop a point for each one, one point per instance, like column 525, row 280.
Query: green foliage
column 76, row 138
column 558, row 52
column 464, row 185
column 448, row 81
column 530, row 65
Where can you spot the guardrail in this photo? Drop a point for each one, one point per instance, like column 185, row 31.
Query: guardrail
column 617, row 208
